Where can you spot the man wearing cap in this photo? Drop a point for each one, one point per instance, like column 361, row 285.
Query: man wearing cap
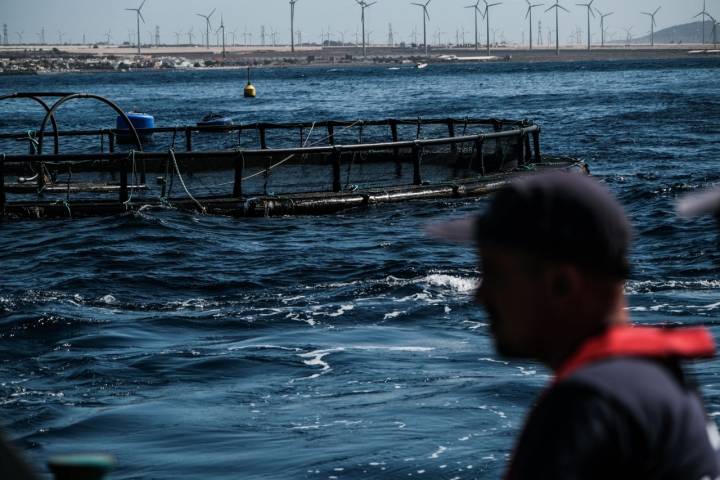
column 553, row 254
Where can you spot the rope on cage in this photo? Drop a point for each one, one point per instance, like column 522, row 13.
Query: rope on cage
column 182, row 182
column 128, row 202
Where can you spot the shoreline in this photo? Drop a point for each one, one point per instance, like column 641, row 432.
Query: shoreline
column 46, row 59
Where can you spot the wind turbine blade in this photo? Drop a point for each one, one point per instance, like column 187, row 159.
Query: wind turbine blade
column 427, row 15
column 141, row 5
column 657, row 10
column 560, row 6
column 211, row 13
column 141, row 17
column 528, row 12
column 370, row 4
column 550, row 8
column 591, row 12
column 418, row 4
column 130, row 9
column 428, row 3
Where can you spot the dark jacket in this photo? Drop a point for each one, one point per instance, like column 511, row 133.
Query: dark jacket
column 620, row 415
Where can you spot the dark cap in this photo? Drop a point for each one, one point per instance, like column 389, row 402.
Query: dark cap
column 558, row 216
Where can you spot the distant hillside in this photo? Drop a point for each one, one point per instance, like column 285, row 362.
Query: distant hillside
column 686, row 33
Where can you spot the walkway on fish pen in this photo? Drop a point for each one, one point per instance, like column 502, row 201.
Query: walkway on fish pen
column 350, row 164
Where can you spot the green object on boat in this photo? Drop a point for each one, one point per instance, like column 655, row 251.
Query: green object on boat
column 91, row 466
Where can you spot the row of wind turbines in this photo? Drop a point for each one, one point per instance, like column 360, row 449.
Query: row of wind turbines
column 481, row 8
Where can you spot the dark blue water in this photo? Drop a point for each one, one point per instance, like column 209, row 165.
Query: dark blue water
column 344, row 346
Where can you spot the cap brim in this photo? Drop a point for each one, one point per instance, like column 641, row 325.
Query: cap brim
column 461, row 231
column 697, row 204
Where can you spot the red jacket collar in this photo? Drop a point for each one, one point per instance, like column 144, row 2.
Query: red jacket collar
column 630, row 341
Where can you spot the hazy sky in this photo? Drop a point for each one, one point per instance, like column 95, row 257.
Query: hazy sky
column 96, row 17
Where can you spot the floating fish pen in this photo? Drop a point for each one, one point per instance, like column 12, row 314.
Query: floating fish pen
column 258, row 169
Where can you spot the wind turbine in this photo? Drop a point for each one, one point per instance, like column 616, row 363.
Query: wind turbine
column 628, row 35
column 476, row 9
column 529, row 14
column 207, row 26
column 652, row 25
column 557, row 8
column 222, row 27
column 602, row 25
column 714, row 29
column 20, row 36
column 292, row 24
column 704, row 13
column 589, row 12
column 139, row 17
column 426, row 17
column 190, row 36
column 487, row 20
column 363, row 5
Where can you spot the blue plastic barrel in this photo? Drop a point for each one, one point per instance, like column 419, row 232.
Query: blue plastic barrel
column 140, row 121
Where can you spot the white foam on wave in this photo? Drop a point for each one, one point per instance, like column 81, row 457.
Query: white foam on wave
column 441, row 449
column 667, row 307
column 107, row 299
column 391, row 348
column 263, row 347
column 644, row 286
column 393, row 314
column 315, row 359
column 456, row 284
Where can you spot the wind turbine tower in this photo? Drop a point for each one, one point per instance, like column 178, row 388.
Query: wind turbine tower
column 222, row 27
column 292, row 25
column 652, row 25
column 139, row 17
column 5, row 34
column 557, row 8
column 207, row 26
column 529, row 14
column 363, row 5
column 476, row 9
column 704, row 13
column 157, row 35
column 487, row 20
column 589, row 12
column 426, row 17
column 602, row 25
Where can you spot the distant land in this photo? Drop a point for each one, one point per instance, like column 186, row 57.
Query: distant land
column 676, row 42
column 677, row 34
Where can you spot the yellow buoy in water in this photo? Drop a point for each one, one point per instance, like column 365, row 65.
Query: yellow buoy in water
column 249, row 91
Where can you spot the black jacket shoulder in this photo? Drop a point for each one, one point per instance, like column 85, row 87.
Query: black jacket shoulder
column 619, row 418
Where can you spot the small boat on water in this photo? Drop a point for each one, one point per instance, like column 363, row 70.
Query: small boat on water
column 261, row 168
column 215, row 120
column 421, row 65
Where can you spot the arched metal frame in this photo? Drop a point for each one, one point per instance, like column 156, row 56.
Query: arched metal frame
column 35, row 97
column 74, row 96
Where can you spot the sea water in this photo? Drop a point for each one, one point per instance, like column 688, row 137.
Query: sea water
column 329, row 347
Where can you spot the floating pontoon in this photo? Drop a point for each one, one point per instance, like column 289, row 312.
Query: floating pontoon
column 256, row 169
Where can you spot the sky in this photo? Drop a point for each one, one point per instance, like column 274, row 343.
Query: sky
column 95, row 18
